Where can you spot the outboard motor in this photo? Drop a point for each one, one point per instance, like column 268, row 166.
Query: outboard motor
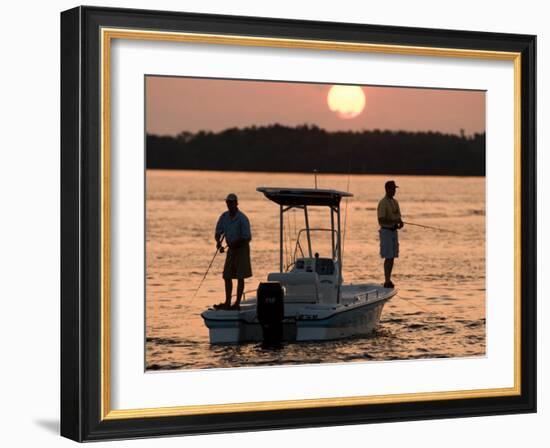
column 271, row 312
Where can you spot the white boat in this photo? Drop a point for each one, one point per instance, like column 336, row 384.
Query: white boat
column 316, row 304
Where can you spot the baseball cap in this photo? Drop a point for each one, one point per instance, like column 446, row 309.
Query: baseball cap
column 231, row 197
column 391, row 183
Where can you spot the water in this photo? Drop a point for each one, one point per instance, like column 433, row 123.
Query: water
column 440, row 275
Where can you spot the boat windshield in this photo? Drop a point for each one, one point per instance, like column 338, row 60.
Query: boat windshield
column 323, row 245
column 324, row 266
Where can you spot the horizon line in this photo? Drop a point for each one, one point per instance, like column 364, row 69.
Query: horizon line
column 314, row 126
column 330, row 173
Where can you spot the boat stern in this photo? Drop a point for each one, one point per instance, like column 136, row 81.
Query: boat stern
column 231, row 326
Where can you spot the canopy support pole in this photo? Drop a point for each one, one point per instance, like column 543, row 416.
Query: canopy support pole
column 307, row 231
column 332, row 231
column 281, row 236
column 339, row 256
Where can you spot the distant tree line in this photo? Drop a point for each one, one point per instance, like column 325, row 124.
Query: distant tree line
column 304, row 148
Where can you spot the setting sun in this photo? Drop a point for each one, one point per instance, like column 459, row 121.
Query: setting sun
column 346, row 101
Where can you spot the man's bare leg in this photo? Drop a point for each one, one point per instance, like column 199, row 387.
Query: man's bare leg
column 388, row 267
column 228, row 291
column 240, row 290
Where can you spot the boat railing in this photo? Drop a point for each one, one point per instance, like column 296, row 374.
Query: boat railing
column 366, row 295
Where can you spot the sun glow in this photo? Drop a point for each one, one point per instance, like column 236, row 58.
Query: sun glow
column 346, row 101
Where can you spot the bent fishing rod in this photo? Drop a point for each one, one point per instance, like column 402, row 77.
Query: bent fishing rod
column 219, row 249
column 429, row 227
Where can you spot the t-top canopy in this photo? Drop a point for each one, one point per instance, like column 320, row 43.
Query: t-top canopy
column 303, row 196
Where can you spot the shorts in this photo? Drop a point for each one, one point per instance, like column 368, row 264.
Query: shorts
column 389, row 243
column 237, row 263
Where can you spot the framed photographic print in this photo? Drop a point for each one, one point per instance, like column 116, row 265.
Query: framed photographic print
column 275, row 224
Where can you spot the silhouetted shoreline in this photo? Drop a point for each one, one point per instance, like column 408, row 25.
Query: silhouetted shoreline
column 304, row 148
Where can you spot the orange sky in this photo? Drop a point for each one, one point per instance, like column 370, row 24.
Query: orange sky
column 174, row 105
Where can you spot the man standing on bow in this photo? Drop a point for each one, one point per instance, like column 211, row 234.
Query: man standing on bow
column 389, row 218
column 235, row 227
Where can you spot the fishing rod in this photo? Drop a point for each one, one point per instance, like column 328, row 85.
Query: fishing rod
column 218, row 249
column 429, row 227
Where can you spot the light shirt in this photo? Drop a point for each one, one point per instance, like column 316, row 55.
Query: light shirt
column 388, row 209
column 234, row 228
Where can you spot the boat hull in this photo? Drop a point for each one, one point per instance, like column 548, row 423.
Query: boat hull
column 302, row 322
column 356, row 322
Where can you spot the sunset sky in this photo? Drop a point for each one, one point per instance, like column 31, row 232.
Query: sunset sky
column 175, row 104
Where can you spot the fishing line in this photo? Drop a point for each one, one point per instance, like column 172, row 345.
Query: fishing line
column 410, row 300
column 430, row 227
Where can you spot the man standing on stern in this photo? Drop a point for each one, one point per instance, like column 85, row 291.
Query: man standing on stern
column 235, row 227
column 389, row 218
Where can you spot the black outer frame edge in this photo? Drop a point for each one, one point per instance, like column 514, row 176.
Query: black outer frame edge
column 71, row 383
column 307, row 29
column 529, row 223
column 294, row 419
column 87, row 395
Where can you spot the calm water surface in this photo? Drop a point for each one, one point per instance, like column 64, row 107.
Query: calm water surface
column 440, row 311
